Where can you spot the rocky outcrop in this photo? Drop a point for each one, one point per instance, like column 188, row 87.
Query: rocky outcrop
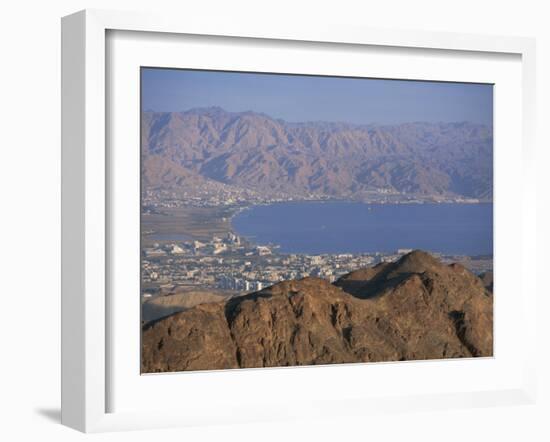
column 487, row 279
column 416, row 308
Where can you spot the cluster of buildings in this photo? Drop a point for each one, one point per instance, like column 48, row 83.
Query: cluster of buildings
column 216, row 246
column 209, row 194
column 234, row 264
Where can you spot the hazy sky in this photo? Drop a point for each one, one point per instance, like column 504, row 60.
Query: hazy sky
column 308, row 98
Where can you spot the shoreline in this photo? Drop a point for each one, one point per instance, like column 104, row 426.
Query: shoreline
column 245, row 263
column 254, row 241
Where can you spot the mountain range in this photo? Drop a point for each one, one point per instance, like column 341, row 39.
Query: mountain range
column 255, row 151
column 415, row 308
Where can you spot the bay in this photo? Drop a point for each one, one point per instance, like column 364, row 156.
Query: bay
column 351, row 227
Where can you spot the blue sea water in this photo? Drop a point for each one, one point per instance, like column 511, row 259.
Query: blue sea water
column 350, row 227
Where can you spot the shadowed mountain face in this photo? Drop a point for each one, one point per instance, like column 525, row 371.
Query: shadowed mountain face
column 487, row 278
column 416, row 308
column 253, row 150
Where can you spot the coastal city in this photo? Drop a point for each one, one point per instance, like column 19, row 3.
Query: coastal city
column 234, row 265
column 201, row 251
column 279, row 235
column 209, row 194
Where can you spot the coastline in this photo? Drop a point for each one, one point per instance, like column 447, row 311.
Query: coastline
column 227, row 259
column 373, row 208
column 239, row 210
column 193, row 223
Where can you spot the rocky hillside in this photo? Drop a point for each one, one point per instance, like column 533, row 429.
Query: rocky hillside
column 416, row 308
column 166, row 305
column 253, row 150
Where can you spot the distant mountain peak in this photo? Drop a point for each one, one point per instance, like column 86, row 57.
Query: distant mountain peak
column 253, row 150
column 208, row 110
column 218, row 110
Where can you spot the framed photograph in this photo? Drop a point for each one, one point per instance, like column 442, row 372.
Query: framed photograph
column 266, row 222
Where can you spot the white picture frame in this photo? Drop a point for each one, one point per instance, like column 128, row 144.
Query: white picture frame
column 86, row 210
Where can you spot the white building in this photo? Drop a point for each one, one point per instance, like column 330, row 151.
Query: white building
column 177, row 250
column 197, row 244
column 263, row 250
column 219, row 248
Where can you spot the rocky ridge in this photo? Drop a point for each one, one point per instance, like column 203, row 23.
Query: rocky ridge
column 415, row 308
column 253, row 150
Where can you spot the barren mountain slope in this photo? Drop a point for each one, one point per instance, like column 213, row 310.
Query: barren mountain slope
column 248, row 149
column 417, row 308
